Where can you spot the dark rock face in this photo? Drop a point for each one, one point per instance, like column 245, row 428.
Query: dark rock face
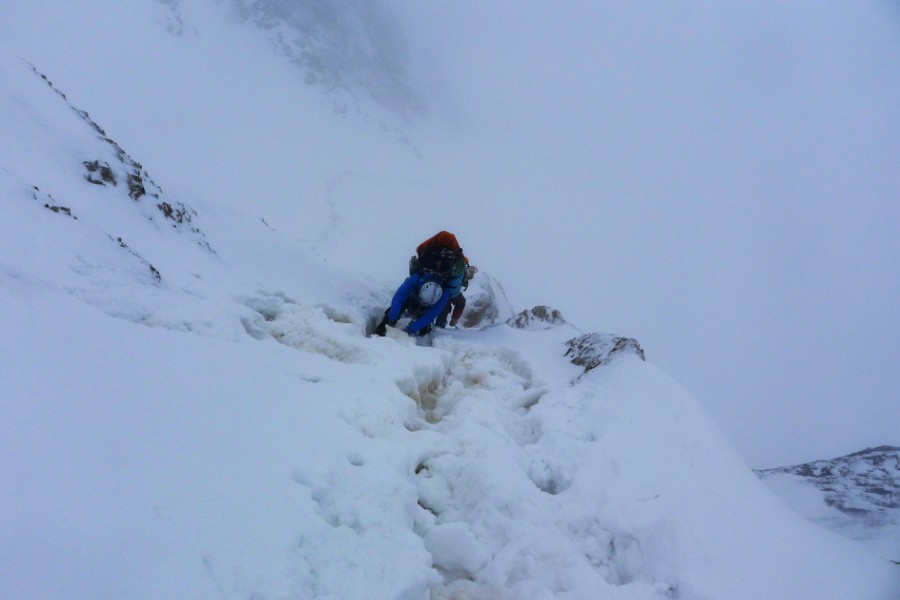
column 99, row 172
column 595, row 349
column 865, row 484
column 50, row 202
column 61, row 210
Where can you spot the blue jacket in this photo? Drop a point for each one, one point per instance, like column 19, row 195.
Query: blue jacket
column 408, row 290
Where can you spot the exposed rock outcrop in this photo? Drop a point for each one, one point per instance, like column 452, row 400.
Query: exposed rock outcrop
column 865, row 484
column 124, row 168
column 595, row 349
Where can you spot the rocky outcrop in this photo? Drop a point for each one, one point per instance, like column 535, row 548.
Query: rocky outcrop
column 865, row 484
column 50, row 203
column 153, row 270
column 595, row 349
column 139, row 185
column 539, row 317
column 99, row 172
column 486, row 303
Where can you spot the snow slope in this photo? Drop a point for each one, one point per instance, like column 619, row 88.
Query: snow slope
column 190, row 406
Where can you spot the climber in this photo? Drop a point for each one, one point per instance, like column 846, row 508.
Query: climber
column 441, row 254
column 423, row 297
column 436, row 274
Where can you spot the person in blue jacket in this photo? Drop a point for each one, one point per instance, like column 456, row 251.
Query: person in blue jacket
column 423, row 296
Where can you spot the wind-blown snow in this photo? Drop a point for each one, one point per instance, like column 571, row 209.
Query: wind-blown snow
column 194, row 410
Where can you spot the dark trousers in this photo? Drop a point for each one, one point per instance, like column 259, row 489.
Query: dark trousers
column 457, row 305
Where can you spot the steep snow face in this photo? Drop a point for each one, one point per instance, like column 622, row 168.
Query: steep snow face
column 857, row 495
column 220, row 425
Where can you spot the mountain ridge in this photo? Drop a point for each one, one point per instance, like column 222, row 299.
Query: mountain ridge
column 856, row 495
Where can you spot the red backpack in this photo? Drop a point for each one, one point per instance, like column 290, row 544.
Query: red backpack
column 438, row 255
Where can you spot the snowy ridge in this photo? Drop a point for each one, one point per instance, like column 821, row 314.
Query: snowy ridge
column 178, row 423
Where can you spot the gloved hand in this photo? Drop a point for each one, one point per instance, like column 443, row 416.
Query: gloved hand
column 424, row 331
column 381, row 329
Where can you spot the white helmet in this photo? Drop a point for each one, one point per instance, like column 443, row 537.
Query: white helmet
column 430, row 292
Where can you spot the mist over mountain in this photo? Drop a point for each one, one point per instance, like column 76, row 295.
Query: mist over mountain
column 194, row 248
column 348, row 48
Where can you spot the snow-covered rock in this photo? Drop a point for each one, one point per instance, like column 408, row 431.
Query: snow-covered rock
column 857, row 495
column 486, row 302
column 539, row 317
column 594, row 349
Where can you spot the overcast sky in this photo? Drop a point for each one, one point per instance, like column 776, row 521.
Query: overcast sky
column 719, row 180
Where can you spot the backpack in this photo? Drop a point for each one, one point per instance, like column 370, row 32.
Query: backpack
column 437, row 260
